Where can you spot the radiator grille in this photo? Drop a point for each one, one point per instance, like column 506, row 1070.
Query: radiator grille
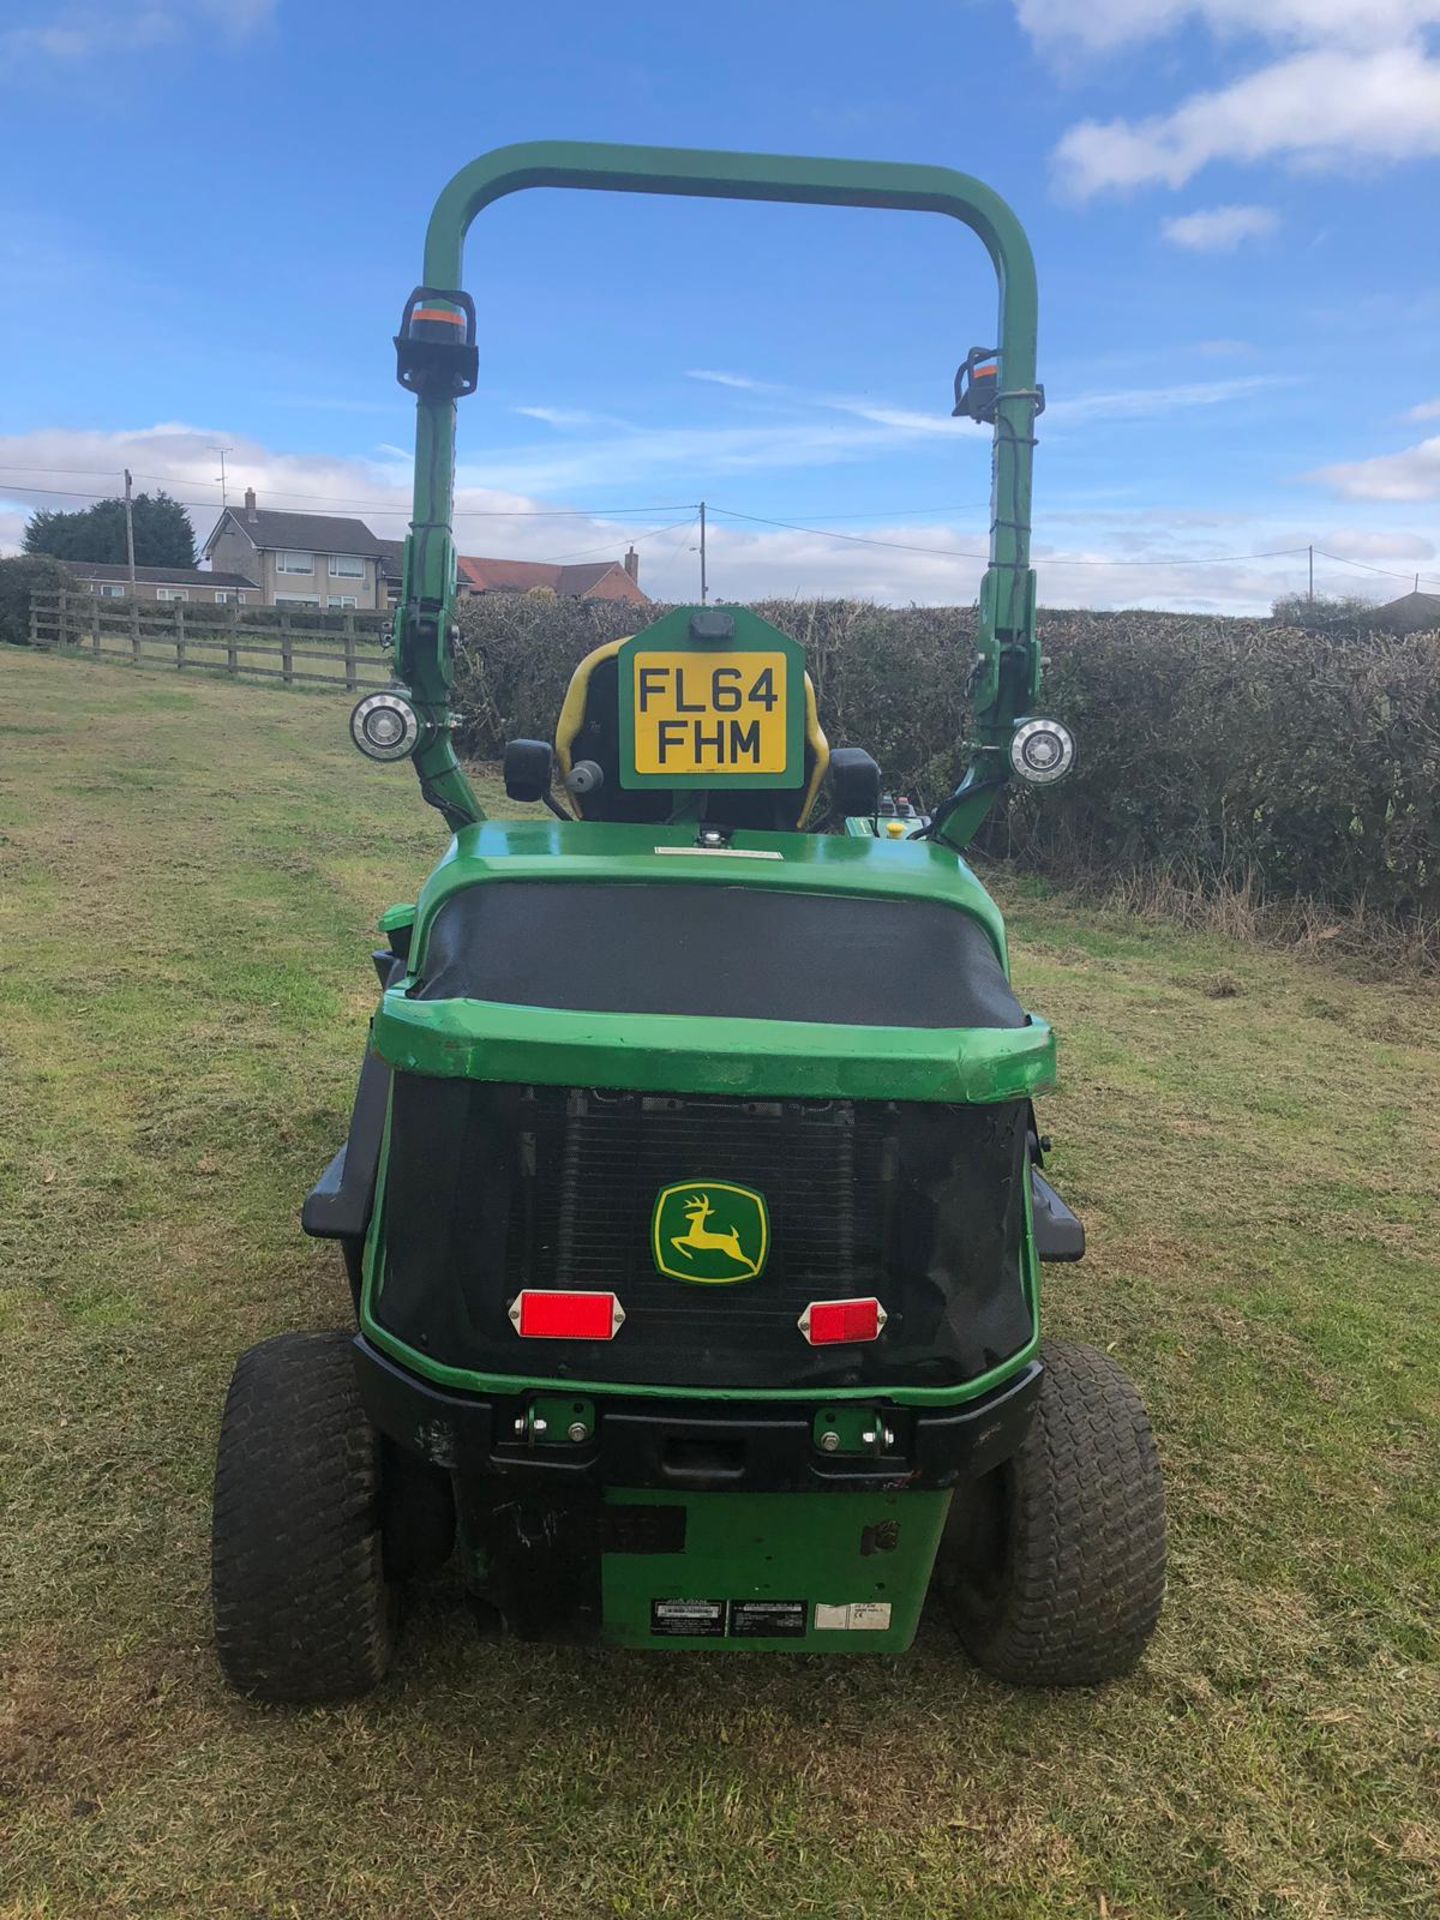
column 601, row 1159
column 493, row 1188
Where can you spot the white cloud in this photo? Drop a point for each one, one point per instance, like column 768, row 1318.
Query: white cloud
column 78, row 34
column 1219, row 229
column 1086, row 556
column 1346, row 87
column 1427, row 410
column 1101, row 25
column 740, row 380
column 1327, row 108
column 1126, row 403
column 1144, row 403
column 1412, row 474
column 559, row 416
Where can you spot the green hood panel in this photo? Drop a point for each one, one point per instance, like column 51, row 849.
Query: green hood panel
column 594, row 851
column 680, row 1053
column 671, row 1053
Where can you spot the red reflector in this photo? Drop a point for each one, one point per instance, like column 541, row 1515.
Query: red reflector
column 826, row 1323
column 566, row 1316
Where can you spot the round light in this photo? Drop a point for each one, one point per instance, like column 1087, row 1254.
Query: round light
column 1042, row 751
column 385, row 727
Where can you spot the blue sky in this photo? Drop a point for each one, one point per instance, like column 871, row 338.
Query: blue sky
column 211, row 211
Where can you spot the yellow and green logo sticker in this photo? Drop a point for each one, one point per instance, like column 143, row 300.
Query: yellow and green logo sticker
column 710, row 1231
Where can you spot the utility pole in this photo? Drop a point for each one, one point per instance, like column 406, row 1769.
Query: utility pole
column 704, row 589
column 222, row 451
column 1312, row 575
column 129, row 534
column 130, row 569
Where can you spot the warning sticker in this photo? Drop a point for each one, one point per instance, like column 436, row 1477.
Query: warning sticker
column 859, row 1616
column 767, row 1619
column 686, row 1618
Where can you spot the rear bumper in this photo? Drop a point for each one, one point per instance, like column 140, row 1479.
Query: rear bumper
column 680, row 1446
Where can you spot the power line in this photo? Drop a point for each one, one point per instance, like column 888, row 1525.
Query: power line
column 730, row 513
column 1390, row 573
column 650, row 533
column 961, row 553
column 852, row 539
column 367, row 506
column 1205, row 560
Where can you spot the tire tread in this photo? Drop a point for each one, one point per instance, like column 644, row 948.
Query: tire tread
column 303, row 1611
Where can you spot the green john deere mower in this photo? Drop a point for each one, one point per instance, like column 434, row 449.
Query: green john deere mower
column 692, row 1203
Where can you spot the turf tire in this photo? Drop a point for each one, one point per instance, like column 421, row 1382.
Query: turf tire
column 303, row 1609
column 1054, row 1568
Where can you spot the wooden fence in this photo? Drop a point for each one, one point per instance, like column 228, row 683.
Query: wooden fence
column 299, row 646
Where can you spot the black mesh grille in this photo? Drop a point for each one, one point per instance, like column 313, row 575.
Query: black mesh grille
column 491, row 1189
column 616, row 1152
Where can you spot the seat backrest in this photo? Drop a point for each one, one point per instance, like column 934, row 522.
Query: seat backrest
column 589, row 729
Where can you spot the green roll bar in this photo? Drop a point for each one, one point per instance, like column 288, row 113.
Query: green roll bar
column 1006, row 670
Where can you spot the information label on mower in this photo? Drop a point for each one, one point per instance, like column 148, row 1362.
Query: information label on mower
column 712, row 716
column 686, row 1619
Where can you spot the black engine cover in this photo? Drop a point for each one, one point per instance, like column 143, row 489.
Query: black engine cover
column 491, row 1189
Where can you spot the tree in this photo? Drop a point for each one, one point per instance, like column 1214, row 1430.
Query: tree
column 163, row 535
column 1341, row 617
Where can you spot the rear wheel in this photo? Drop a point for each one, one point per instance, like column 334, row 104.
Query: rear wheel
column 1053, row 1566
column 303, row 1608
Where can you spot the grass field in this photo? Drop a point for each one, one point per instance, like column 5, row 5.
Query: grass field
column 190, row 873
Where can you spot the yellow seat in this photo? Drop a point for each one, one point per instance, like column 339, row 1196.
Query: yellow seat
column 589, row 729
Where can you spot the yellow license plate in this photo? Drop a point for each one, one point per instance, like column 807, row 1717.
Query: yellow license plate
column 713, row 717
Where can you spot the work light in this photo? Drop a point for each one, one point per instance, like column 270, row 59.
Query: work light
column 1042, row 751
column 384, row 726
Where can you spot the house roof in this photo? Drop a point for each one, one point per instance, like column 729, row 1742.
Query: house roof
column 523, row 576
column 484, row 575
column 1424, row 606
column 308, row 532
column 161, row 576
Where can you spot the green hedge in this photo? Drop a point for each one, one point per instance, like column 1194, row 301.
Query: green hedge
column 20, row 576
column 1236, row 749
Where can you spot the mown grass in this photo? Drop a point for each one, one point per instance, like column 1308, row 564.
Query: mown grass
column 190, row 873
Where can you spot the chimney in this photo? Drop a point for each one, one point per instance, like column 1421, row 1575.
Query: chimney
column 249, row 503
column 632, row 565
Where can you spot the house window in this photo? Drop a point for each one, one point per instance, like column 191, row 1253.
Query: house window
column 346, row 566
column 341, row 600
column 290, row 561
column 108, row 592
column 297, row 600
column 172, row 593
column 230, row 599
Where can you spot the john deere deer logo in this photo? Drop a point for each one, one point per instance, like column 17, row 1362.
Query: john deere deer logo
column 710, row 1231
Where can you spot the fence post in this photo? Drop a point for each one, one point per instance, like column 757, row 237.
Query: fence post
column 62, row 624
column 135, row 628
column 351, row 678
column 287, row 649
column 179, row 606
column 34, row 619
column 95, row 626
column 232, row 656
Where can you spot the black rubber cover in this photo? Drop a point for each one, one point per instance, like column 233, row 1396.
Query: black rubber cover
column 338, row 1205
column 1059, row 1234
column 719, row 952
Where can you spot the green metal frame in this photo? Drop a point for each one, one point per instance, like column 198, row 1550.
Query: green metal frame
column 1007, row 667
